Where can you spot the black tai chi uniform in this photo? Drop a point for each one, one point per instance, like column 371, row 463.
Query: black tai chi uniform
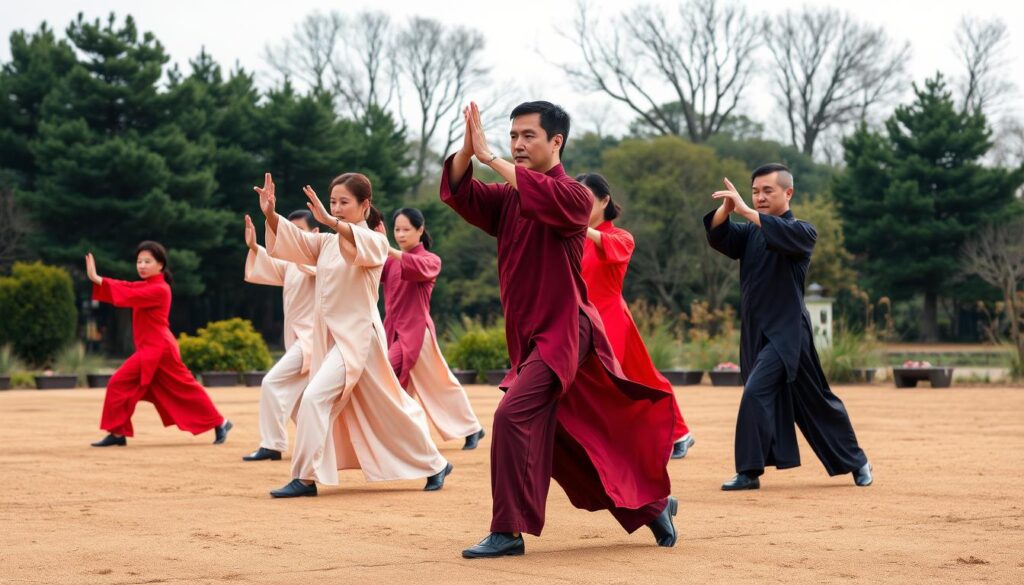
column 783, row 380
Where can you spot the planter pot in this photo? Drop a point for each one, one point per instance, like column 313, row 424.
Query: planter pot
column 683, row 377
column 98, row 380
column 254, row 378
column 56, row 382
column 866, row 375
column 494, row 377
column 909, row 377
column 465, row 376
column 219, row 379
column 725, row 378
column 5, row 382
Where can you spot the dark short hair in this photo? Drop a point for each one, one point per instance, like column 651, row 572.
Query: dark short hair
column 553, row 119
column 303, row 214
column 600, row 187
column 784, row 173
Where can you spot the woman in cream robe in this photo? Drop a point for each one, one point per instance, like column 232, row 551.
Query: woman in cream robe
column 283, row 385
column 353, row 414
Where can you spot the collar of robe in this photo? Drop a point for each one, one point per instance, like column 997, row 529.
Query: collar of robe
column 788, row 214
column 605, row 226
column 555, row 171
column 158, row 277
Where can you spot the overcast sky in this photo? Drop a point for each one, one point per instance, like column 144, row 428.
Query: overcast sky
column 522, row 38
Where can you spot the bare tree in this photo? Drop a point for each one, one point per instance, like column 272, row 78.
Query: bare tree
column 442, row 66
column 349, row 57
column 830, row 70
column 981, row 46
column 702, row 58
column 14, row 229
column 997, row 256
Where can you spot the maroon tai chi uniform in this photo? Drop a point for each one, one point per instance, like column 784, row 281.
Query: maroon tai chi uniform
column 153, row 373
column 568, row 411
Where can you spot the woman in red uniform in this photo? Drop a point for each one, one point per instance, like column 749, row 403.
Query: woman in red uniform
column 154, row 372
column 606, row 255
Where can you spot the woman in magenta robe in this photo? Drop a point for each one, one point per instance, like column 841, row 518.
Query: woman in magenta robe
column 153, row 373
column 606, row 255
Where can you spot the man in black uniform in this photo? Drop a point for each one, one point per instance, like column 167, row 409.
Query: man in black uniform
column 783, row 381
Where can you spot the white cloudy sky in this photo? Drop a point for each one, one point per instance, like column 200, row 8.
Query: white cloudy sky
column 521, row 36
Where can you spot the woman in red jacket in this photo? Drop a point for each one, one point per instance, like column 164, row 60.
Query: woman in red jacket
column 154, row 372
column 606, row 255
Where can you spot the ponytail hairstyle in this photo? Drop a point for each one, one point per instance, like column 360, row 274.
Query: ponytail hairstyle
column 159, row 254
column 359, row 185
column 415, row 217
column 599, row 186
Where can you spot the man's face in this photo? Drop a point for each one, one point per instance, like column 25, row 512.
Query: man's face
column 769, row 197
column 531, row 147
column 303, row 225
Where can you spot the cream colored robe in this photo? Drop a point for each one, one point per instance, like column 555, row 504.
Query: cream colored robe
column 298, row 283
column 396, row 445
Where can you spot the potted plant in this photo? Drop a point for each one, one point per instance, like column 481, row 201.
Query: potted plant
column 726, row 374
column 222, row 350
column 480, row 350
column 8, row 364
column 49, row 380
column 464, row 376
column 254, row 378
column 73, row 365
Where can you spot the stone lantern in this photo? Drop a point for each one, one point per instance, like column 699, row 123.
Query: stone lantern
column 820, row 309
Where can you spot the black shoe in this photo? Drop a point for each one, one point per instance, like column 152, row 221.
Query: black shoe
column 222, row 432
column 110, row 441
column 682, row 447
column 295, row 489
column 862, row 477
column 497, row 544
column 742, row 481
column 436, row 481
column 263, row 454
column 473, row 440
column 662, row 527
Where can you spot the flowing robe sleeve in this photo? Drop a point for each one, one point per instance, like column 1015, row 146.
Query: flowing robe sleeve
column 728, row 238
column 420, row 267
column 135, row 295
column 559, row 204
column 294, row 245
column 477, row 202
column 616, row 247
column 370, row 249
column 260, row 268
column 790, row 237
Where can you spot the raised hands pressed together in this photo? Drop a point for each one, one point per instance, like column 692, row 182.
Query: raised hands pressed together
column 732, row 202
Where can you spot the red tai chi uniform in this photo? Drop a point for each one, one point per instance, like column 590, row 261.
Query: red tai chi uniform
column 153, row 373
column 568, row 412
column 604, row 270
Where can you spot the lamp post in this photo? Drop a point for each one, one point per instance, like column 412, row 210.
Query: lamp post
column 820, row 309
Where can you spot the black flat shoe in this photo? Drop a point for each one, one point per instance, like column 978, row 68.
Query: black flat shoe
column 497, row 544
column 295, row 489
column 681, row 447
column 263, row 454
column 862, row 477
column 473, row 440
column 662, row 527
column 111, row 441
column 222, row 432
column 436, row 481
column 742, row 482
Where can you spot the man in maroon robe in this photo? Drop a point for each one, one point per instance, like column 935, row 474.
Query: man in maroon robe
column 568, row 412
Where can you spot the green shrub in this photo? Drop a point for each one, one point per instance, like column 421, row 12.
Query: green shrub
column 706, row 353
column 850, row 350
column 9, row 363
column 231, row 345
column 658, row 334
column 23, row 380
column 73, row 359
column 38, row 307
column 477, row 348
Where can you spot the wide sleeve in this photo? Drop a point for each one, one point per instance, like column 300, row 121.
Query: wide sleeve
column 616, row 247
column 791, row 237
column 134, row 295
column 260, row 268
column 477, row 202
column 728, row 238
column 371, row 248
column 420, row 267
column 292, row 244
column 560, row 204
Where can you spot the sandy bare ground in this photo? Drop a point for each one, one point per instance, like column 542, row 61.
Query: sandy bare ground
column 947, row 505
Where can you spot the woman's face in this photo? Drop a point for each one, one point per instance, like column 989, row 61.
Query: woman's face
column 597, row 211
column 147, row 265
column 346, row 207
column 407, row 236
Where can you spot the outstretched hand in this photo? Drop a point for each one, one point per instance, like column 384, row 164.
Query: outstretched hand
column 250, row 233
column 267, row 199
column 316, row 207
column 90, row 269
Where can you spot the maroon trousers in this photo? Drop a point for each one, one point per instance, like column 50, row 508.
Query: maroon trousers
column 527, row 440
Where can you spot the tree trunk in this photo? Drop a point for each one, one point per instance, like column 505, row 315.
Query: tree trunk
column 929, row 319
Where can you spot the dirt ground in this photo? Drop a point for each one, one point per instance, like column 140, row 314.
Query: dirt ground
column 947, row 505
